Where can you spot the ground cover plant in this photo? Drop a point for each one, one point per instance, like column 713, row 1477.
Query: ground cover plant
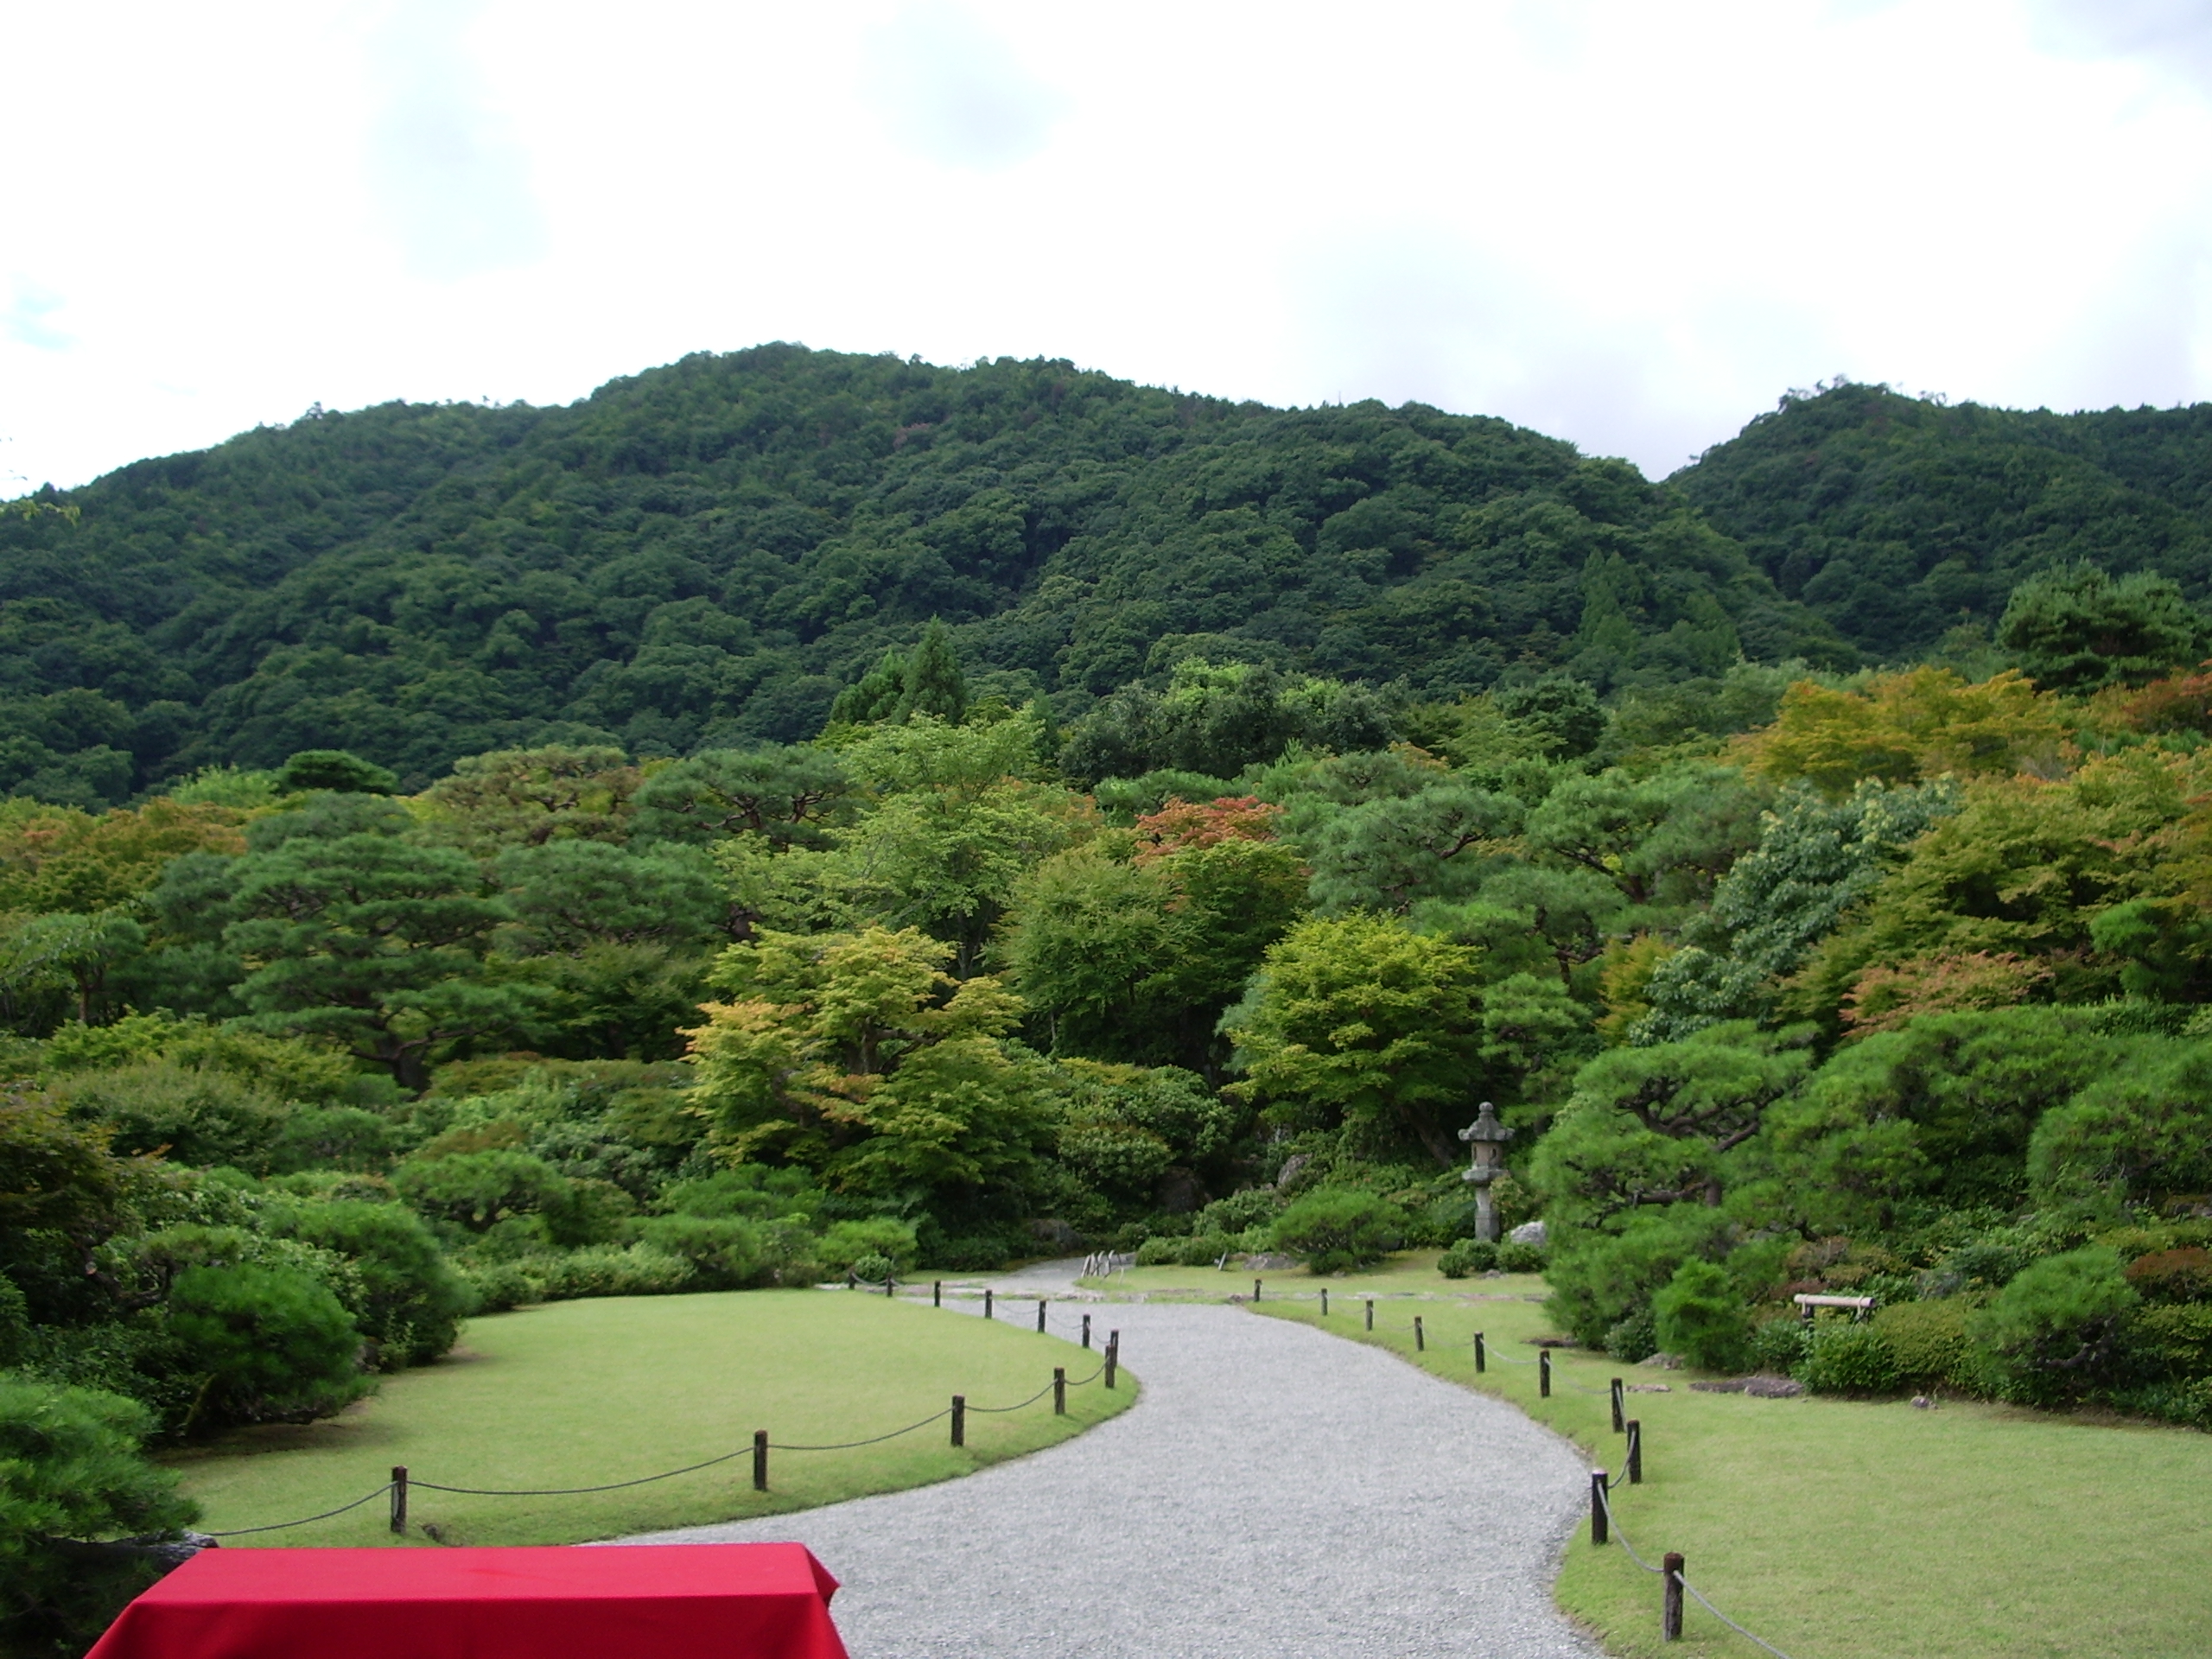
column 581, row 1393
column 1852, row 1529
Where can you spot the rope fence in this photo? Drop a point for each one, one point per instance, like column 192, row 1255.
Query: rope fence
column 402, row 1482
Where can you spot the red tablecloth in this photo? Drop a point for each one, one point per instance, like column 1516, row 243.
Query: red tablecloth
column 654, row 1601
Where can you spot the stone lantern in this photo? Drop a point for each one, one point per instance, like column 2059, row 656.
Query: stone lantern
column 1486, row 1138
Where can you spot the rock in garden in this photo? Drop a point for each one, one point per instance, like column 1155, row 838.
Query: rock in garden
column 1721, row 1385
column 1528, row 1232
column 1773, row 1387
column 1663, row 1363
column 1922, row 1402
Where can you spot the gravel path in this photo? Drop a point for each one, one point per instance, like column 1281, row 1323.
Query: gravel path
column 1276, row 1492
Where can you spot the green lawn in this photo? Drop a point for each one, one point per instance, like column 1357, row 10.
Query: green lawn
column 1843, row 1529
column 574, row 1393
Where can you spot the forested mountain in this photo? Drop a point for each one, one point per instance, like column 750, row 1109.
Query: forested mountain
column 703, row 554
column 1897, row 519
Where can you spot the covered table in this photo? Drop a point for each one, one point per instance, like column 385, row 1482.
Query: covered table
column 654, row 1601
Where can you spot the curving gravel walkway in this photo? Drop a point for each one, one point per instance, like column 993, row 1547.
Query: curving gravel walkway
column 1276, row 1492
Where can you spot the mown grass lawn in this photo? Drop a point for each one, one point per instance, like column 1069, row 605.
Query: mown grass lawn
column 576, row 1393
column 1849, row 1529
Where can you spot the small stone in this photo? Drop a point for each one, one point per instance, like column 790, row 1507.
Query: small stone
column 1922, row 1402
column 1663, row 1363
column 1722, row 1385
column 1528, row 1232
column 1773, row 1387
column 1651, row 1388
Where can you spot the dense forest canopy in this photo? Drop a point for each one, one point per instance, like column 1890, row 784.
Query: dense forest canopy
column 706, row 554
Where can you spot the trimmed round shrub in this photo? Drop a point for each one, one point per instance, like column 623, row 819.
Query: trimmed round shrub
column 2053, row 1333
column 2172, row 1340
column 1336, row 1229
column 1206, row 1249
column 1700, row 1314
column 476, row 1191
column 273, row 1343
column 1518, row 1256
column 1845, row 1356
column 875, row 1270
column 1927, row 1339
column 610, row 1270
column 1467, row 1257
column 411, row 1301
column 845, row 1244
column 1241, row 1211
column 725, row 1253
column 1633, row 1339
column 1160, row 1252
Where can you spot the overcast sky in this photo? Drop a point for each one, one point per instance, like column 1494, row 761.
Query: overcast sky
column 1631, row 225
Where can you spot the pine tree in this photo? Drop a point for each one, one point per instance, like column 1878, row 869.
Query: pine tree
column 875, row 696
column 934, row 684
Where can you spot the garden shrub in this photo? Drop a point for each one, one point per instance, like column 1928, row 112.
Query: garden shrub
column 2053, row 1333
column 1336, row 1229
column 334, row 1137
column 496, row 1286
column 1927, row 1339
column 1240, row 1211
column 1516, row 1257
column 410, row 1302
column 843, row 1244
column 1700, row 1314
column 875, row 1270
column 1161, row 1252
column 72, row 1467
column 1467, row 1257
column 2183, row 1275
column 1634, row 1338
column 476, row 1190
column 1600, row 1278
column 272, row 1343
column 1846, row 1356
column 203, row 1117
column 2170, row 1340
column 638, row 1269
column 1781, row 1343
column 1206, row 1249
column 725, row 1253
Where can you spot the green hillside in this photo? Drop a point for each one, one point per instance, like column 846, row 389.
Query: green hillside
column 1897, row 519
column 703, row 554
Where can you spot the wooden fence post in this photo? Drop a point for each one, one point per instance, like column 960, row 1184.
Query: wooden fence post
column 1059, row 1390
column 1041, row 1316
column 960, row 1420
column 1256, row 1290
column 1598, row 1533
column 1670, row 1608
column 1544, row 1372
column 937, row 1293
column 1619, row 1420
column 1370, row 1312
column 1635, row 1453
column 891, row 1284
column 987, row 1302
column 759, row 1459
column 1086, row 1330
column 1482, row 1359
column 1324, row 1301
column 400, row 1497
column 1113, row 1355
column 1420, row 1338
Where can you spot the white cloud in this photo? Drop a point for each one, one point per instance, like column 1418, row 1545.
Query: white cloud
column 1631, row 226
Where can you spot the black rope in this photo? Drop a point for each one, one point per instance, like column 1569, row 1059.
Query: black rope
column 1031, row 1400
column 847, row 1445
column 279, row 1526
column 576, row 1492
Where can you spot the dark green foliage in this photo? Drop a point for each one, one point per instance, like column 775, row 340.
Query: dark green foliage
column 2073, row 628
column 931, row 683
column 1514, row 1256
column 1700, row 1314
column 570, row 894
column 1336, row 1229
column 198, row 1116
column 272, row 1345
column 724, row 1255
column 2055, row 1331
column 1845, row 1356
column 334, row 769
column 411, row 1302
column 476, row 1191
column 1470, row 1256
column 787, row 797
column 1216, row 719
column 1633, row 1339
column 2142, row 1131
column 70, row 1469
column 1560, row 712
column 700, row 556
column 1892, row 516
